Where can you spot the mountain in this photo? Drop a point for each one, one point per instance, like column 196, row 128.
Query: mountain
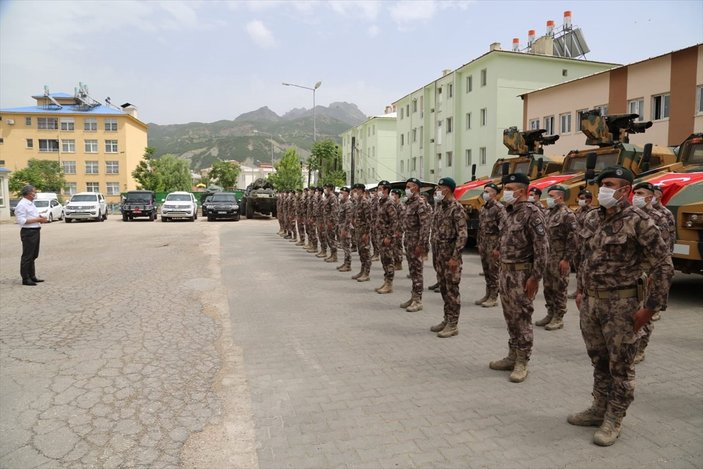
column 250, row 137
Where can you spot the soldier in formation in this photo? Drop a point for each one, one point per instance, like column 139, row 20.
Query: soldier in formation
column 330, row 215
column 396, row 195
column 522, row 252
column 300, row 216
column 491, row 218
column 386, row 220
column 361, row 222
column 416, row 225
column 344, row 224
column 320, row 222
column 620, row 245
column 449, row 234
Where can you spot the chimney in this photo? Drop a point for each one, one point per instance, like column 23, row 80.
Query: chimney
column 446, row 72
column 530, row 37
column 388, row 109
column 495, row 46
column 543, row 46
column 516, row 44
column 567, row 20
column 130, row 109
column 550, row 28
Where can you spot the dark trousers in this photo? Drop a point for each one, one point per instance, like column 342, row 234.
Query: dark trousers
column 30, row 251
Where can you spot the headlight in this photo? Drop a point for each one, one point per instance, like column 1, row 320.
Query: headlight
column 236, row 207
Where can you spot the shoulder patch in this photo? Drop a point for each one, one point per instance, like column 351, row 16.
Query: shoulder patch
column 539, row 226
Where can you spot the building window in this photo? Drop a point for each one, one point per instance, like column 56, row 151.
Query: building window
column 373, row 129
column 30, row 143
column 71, row 188
column 368, row 131
column 469, row 83
column 113, row 188
column 28, row 121
column 402, row 139
column 579, row 116
column 48, row 145
column 482, row 155
column 91, row 167
column 468, row 121
column 47, row 123
column 91, row 146
column 450, row 124
column 414, row 160
column 407, row 109
column 402, row 167
column 439, row 161
column 699, row 100
column 450, row 157
column 636, row 106
column 414, row 135
column 422, row 109
column 660, row 107
column 414, row 106
column 438, row 137
column 68, row 146
column 484, row 74
column 564, row 72
column 68, row 124
column 90, row 125
column 603, row 109
column 422, row 136
column 69, row 167
column 110, row 146
column 112, row 167
column 467, row 153
column 110, row 125
column 549, row 125
column 450, row 90
column 92, row 187
column 565, row 123
column 534, row 124
column 484, row 117
column 401, row 112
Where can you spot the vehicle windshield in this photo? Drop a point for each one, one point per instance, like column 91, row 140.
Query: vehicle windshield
column 138, row 198
column 223, row 198
column 522, row 167
column 178, row 198
column 695, row 154
column 577, row 163
column 84, row 198
column 41, row 203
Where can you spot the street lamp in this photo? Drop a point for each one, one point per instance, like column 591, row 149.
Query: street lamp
column 314, row 125
column 271, row 137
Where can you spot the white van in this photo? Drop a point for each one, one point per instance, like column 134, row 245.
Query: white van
column 86, row 206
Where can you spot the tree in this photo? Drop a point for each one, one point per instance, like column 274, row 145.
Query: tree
column 145, row 173
column 225, row 173
column 288, row 175
column 44, row 175
column 326, row 157
column 166, row 174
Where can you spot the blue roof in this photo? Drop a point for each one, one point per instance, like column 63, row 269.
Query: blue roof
column 66, row 109
column 54, row 95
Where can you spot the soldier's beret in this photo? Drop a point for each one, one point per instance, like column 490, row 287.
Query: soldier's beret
column 414, row 181
column 617, row 172
column 586, row 193
column 397, row 191
column 448, row 182
column 516, row 177
column 556, row 187
column 384, row 183
column 492, row 186
column 658, row 188
column 306, row 189
column 328, row 186
column 536, row 190
column 344, row 189
column 358, row 185
column 644, row 185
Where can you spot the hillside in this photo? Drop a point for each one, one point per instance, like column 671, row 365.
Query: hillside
column 202, row 143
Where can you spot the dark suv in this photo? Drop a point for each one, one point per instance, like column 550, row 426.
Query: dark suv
column 223, row 205
column 138, row 204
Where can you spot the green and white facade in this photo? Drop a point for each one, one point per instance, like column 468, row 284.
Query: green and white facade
column 375, row 156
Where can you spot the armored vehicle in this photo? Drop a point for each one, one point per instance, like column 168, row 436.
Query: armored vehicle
column 260, row 197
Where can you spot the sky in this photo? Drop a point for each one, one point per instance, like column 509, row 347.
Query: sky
column 203, row 61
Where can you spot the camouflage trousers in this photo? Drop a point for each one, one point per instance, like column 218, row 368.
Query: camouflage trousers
column 280, row 217
column 448, row 281
column 644, row 340
column 331, row 235
column 353, row 239
column 607, row 327
column 375, row 241
column 301, row 228
column 386, row 253
column 311, row 232
column 555, row 288
column 364, row 250
column 345, row 246
column 291, row 226
column 517, row 309
column 398, row 249
column 490, row 264
column 322, row 234
column 414, row 266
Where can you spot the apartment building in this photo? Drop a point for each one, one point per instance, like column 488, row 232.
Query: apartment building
column 457, row 121
column 375, row 151
column 98, row 145
column 666, row 90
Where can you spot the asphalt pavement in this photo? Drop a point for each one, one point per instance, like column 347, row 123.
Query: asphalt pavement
column 222, row 345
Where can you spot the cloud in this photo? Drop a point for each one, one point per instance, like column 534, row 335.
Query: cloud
column 373, row 30
column 260, row 34
column 365, row 9
column 407, row 12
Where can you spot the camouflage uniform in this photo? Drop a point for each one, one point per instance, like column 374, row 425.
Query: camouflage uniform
column 320, row 222
column 331, row 216
column 524, row 247
column 362, row 230
column 580, row 214
column 449, row 234
column 300, row 217
column 562, row 228
column 491, row 218
column 344, row 225
column 290, row 215
column 386, row 220
column 670, row 222
column 398, row 237
column 279, row 213
column 417, row 234
column 374, row 222
column 310, row 228
column 616, row 249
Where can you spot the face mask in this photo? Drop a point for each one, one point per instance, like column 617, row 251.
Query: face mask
column 606, row 197
column 486, row 196
column 639, row 201
column 551, row 202
column 408, row 193
column 530, row 198
column 509, row 198
column 355, row 195
column 583, row 203
column 438, row 196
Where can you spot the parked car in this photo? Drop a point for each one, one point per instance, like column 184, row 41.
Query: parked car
column 50, row 209
column 206, row 205
column 138, row 204
column 223, row 205
column 86, row 206
column 179, row 205
column 13, row 204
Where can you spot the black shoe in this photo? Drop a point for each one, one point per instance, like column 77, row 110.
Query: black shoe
column 36, row 280
column 28, row 282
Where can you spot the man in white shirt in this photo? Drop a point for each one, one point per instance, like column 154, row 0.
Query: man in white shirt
column 30, row 221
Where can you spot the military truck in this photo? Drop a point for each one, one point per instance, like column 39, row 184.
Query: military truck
column 259, row 197
column 528, row 148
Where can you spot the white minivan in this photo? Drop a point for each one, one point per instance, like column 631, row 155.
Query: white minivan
column 86, row 206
